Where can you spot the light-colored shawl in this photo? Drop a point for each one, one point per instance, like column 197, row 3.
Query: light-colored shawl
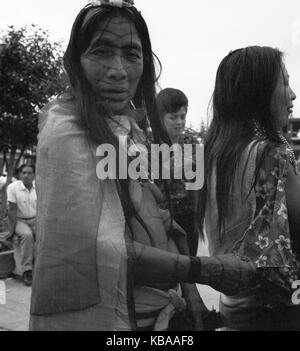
column 82, row 257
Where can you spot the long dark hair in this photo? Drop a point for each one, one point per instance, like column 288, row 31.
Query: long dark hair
column 245, row 82
column 83, row 30
column 97, row 129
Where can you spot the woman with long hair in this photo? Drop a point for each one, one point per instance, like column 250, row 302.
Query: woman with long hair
column 250, row 203
column 108, row 258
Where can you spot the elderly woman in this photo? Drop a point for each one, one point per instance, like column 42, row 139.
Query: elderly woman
column 251, row 199
column 108, row 257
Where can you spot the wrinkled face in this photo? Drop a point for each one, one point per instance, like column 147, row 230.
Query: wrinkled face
column 113, row 62
column 27, row 175
column 175, row 122
column 282, row 99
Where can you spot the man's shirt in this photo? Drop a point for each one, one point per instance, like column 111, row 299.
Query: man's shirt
column 25, row 200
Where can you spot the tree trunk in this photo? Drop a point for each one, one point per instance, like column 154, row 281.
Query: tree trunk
column 19, row 157
column 11, row 165
column 2, row 191
column 3, row 161
column 2, row 202
column 10, row 171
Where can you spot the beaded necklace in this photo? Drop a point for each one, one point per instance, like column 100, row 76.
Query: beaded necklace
column 291, row 154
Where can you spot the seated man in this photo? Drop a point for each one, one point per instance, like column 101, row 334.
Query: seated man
column 21, row 198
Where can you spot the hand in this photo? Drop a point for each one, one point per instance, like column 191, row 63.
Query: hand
column 228, row 274
column 275, row 286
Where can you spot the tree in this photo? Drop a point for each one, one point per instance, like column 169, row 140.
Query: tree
column 203, row 131
column 31, row 73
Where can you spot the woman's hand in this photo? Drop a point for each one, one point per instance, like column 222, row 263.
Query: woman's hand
column 228, row 273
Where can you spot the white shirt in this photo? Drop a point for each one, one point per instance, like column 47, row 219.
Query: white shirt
column 18, row 194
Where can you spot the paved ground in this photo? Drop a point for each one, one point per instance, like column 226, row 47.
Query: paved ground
column 14, row 314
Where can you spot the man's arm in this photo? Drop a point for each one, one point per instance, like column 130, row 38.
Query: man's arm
column 12, row 216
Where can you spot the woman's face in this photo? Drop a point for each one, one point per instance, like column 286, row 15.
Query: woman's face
column 282, row 99
column 113, row 62
column 175, row 123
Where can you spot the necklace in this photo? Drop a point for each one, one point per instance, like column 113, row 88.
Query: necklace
column 291, row 154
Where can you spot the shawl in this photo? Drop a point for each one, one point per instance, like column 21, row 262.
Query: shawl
column 71, row 223
column 82, row 266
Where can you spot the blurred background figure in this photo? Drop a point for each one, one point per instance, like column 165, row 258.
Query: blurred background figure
column 21, row 197
column 172, row 106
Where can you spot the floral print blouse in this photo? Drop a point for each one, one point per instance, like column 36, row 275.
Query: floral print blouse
column 267, row 241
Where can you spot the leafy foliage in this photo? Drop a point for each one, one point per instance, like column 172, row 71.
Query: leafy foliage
column 30, row 74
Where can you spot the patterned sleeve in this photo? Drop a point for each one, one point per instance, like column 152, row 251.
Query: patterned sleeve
column 267, row 240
